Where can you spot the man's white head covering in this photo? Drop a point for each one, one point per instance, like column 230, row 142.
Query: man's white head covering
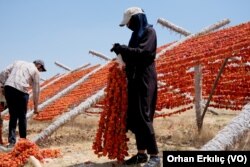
column 129, row 13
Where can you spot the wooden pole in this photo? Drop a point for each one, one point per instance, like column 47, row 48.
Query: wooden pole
column 173, row 27
column 231, row 133
column 62, row 66
column 213, row 89
column 99, row 55
column 198, row 94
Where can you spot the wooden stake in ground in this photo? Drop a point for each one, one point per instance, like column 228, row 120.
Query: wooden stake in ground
column 198, row 95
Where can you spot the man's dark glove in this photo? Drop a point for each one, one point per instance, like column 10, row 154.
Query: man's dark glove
column 116, row 48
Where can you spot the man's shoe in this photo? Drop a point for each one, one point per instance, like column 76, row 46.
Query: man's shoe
column 10, row 145
column 154, row 161
column 137, row 159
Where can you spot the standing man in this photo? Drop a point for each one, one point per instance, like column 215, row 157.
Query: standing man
column 17, row 78
column 139, row 58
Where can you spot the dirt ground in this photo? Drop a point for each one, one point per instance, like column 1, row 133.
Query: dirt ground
column 178, row 132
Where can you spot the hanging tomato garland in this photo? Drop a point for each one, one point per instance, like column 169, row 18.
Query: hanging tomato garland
column 111, row 139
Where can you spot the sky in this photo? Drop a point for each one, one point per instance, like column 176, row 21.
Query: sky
column 65, row 31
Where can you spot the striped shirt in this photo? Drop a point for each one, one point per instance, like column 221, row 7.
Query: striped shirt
column 21, row 75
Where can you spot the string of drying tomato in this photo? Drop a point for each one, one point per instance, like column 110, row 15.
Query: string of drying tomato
column 23, row 150
column 111, row 139
column 47, row 81
column 56, row 87
column 74, row 97
column 61, row 84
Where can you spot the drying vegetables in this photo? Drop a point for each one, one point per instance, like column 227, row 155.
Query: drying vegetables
column 75, row 96
column 61, row 84
column 22, row 151
column 175, row 69
column 111, row 139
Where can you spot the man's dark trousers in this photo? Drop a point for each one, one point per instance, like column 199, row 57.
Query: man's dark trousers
column 17, row 102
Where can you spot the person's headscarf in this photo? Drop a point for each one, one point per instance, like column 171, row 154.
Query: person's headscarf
column 138, row 23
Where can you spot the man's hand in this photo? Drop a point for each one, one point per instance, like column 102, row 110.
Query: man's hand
column 2, row 90
column 35, row 110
